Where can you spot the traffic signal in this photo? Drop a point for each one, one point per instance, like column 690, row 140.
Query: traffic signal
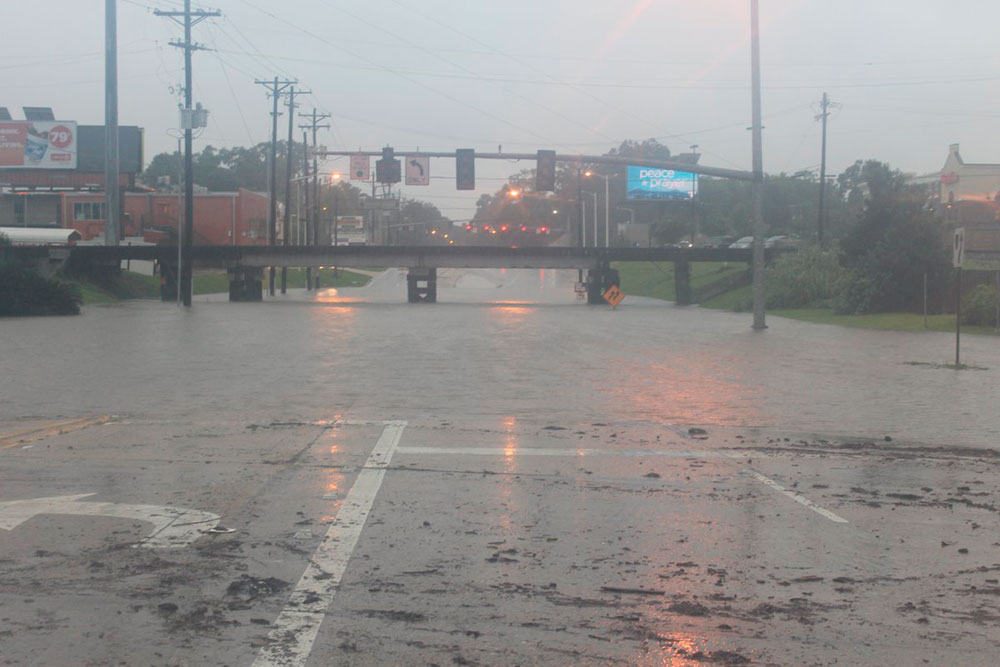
column 465, row 169
column 545, row 171
column 388, row 169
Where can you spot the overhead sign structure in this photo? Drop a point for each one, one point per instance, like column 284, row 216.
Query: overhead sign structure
column 418, row 171
column 37, row 144
column 360, row 168
column 654, row 183
column 958, row 248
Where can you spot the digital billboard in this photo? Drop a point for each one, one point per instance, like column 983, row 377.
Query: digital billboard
column 37, row 144
column 654, row 183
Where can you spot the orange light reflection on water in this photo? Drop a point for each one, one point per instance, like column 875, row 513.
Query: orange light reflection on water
column 698, row 388
column 332, row 296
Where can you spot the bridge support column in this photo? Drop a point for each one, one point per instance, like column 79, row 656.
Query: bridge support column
column 246, row 283
column 598, row 282
column 683, row 295
column 421, row 285
column 168, row 281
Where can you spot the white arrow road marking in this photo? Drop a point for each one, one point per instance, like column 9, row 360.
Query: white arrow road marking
column 174, row 527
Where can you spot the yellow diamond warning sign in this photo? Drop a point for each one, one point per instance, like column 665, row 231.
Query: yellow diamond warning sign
column 614, row 295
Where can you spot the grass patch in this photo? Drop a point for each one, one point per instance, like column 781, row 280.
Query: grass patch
column 130, row 286
column 739, row 300
column 656, row 280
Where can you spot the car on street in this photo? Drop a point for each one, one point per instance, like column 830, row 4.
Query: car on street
column 745, row 242
column 782, row 241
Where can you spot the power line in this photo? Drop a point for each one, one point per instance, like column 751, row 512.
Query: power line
column 398, row 73
column 461, row 67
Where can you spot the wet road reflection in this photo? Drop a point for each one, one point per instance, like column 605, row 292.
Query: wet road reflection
column 576, row 485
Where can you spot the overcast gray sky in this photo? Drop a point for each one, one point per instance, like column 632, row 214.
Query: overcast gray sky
column 909, row 76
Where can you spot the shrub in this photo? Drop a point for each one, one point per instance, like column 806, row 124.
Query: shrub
column 810, row 277
column 982, row 307
column 25, row 292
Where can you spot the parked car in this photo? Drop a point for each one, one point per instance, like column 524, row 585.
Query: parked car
column 720, row 241
column 782, row 241
column 745, row 242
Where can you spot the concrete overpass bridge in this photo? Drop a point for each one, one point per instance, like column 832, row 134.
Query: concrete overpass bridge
column 246, row 264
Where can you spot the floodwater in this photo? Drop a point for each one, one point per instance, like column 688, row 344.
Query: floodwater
column 508, row 476
column 500, row 343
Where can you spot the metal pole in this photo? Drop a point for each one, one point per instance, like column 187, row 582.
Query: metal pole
column 272, row 214
column 187, row 274
column 958, row 314
column 285, row 228
column 594, row 195
column 316, row 217
column 925, row 299
column 309, row 219
column 607, row 214
column 112, row 226
column 180, row 223
column 822, row 173
column 757, row 187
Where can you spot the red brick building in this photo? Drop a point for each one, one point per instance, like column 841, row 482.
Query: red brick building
column 220, row 218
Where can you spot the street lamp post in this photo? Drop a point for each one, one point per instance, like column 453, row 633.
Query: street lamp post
column 594, row 195
column 607, row 209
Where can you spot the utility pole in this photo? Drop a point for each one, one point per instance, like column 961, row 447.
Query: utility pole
column 757, row 186
column 305, row 179
column 286, row 227
column 190, row 19
column 822, row 168
column 314, row 125
column 275, row 89
column 112, row 228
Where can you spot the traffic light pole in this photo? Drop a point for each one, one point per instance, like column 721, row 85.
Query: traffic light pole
column 720, row 172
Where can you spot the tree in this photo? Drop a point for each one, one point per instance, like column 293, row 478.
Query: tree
column 893, row 244
column 227, row 169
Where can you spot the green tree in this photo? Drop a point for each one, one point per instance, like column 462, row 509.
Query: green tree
column 893, row 244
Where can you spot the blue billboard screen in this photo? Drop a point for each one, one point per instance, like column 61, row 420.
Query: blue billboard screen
column 654, row 183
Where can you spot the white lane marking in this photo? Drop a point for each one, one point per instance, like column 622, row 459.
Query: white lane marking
column 291, row 640
column 554, row 451
column 802, row 500
column 174, row 527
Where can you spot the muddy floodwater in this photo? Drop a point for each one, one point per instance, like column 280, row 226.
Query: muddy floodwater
column 506, row 477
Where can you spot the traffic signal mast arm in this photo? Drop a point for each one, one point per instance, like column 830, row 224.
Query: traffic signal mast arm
column 720, row 172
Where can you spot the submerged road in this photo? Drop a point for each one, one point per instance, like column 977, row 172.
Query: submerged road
column 506, row 477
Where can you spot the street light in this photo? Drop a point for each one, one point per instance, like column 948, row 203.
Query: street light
column 594, row 195
column 607, row 206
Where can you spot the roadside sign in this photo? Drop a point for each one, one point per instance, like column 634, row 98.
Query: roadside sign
column 360, row 168
column 418, row 171
column 614, row 296
column 958, row 248
column 580, row 289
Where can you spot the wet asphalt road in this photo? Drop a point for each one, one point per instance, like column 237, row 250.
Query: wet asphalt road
column 506, row 477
